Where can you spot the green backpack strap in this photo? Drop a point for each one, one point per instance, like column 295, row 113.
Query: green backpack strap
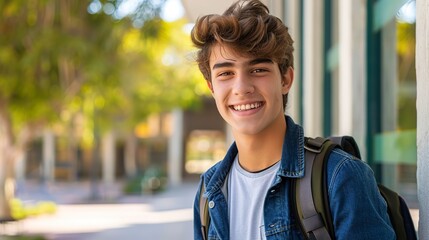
column 311, row 196
column 204, row 212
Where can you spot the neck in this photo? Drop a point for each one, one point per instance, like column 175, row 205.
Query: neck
column 259, row 151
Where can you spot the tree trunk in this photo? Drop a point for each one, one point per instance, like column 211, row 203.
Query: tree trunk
column 7, row 179
column 7, row 182
column 11, row 148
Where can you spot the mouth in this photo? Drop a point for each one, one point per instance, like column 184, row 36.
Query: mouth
column 246, row 107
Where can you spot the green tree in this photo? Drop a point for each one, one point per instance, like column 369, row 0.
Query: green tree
column 61, row 59
column 49, row 51
column 159, row 72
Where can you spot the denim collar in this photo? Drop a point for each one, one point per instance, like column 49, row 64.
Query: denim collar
column 292, row 162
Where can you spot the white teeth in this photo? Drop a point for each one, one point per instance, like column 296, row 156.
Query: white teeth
column 244, row 107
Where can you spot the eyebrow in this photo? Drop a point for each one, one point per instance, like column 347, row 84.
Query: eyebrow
column 251, row 62
column 260, row 60
column 222, row 64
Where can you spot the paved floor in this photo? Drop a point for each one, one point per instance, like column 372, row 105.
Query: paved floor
column 166, row 215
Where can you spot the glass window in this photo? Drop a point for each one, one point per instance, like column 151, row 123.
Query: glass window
column 395, row 147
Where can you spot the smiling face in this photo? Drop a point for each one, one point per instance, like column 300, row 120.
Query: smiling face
column 248, row 90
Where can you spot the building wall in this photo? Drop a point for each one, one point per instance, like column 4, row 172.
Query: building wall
column 422, row 57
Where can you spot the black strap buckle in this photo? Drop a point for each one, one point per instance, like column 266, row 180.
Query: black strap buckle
column 314, row 144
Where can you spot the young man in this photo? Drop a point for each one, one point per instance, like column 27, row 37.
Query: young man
column 246, row 57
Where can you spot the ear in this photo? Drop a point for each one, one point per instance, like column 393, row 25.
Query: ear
column 210, row 85
column 287, row 80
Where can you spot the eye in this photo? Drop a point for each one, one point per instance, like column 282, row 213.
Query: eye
column 224, row 75
column 259, row 70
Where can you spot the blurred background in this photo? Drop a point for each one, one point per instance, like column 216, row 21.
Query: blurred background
column 106, row 123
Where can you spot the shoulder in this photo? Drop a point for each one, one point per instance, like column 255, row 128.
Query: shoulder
column 207, row 175
column 354, row 199
column 205, row 179
column 339, row 159
column 343, row 167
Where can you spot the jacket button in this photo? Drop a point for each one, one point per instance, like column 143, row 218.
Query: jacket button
column 211, row 204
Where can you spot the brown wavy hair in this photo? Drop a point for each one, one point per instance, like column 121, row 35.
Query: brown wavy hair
column 247, row 27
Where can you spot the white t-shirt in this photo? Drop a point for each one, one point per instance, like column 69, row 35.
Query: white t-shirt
column 246, row 196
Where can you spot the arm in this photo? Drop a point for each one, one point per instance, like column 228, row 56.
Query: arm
column 358, row 210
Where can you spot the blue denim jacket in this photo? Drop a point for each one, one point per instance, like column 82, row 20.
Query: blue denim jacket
column 358, row 210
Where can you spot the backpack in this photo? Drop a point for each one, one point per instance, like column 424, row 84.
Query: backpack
column 310, row 194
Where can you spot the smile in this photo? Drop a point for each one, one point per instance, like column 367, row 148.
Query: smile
column 245, row 107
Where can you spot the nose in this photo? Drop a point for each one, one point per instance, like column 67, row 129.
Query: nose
column 243, row 85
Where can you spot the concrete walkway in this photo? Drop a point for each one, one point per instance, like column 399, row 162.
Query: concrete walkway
column 106, row 214
column 166, row 215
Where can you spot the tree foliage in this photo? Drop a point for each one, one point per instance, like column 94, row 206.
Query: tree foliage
column 63, row 60
column 50, row 50
column 57, row 59
column 160, row 74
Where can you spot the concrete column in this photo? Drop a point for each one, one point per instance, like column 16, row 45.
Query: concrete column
column 175, row 148
column 313, row 67
column 48, row 164
column 108, row 153
column 333, row 64
column 422, row 70
column 352, row 69
column 108, row 158
column 291, row 19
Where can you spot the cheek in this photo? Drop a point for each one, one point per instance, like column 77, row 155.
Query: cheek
column 217, row 94
column 219, row 89
column 275, row 93
column 274, row 90
column 219, row 97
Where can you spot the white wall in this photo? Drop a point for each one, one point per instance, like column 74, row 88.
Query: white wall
column 422, row 70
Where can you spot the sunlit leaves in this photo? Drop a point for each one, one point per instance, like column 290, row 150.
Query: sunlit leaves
column 62, row 60
column 159, row 77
